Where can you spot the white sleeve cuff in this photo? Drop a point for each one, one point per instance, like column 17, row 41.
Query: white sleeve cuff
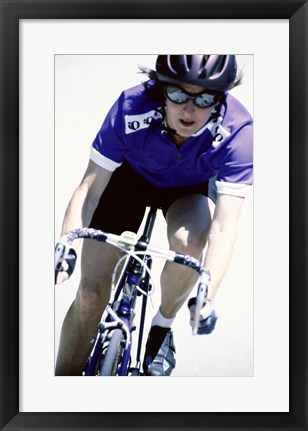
column 102, row 161
column 233, row 189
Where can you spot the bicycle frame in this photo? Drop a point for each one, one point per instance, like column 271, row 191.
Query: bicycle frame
column 135, row 277
column 120, row 314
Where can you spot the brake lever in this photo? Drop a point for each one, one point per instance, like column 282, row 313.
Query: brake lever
column 202, row 293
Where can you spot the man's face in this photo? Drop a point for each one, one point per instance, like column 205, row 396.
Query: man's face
column 186, row 118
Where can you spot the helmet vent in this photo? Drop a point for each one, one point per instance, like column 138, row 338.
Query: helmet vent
column 215, row 72
column 180, row 64
column 219, row 65
column 202, row 72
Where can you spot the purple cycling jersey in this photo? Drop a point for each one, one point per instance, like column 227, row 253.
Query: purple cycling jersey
column 134, row 130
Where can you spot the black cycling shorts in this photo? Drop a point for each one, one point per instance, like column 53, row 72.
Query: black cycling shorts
column 122, row 205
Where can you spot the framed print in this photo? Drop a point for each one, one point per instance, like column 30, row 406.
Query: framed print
column 85, row 77
column 272, row 393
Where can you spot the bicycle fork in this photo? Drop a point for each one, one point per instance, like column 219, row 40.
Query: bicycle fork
column 103, row 334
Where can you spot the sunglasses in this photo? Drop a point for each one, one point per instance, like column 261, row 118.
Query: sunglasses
column 202, row 100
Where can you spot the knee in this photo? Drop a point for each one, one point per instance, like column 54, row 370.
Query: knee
column 92, row 297
column 188, row 243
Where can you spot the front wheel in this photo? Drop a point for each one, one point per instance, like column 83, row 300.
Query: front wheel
column 112, row 358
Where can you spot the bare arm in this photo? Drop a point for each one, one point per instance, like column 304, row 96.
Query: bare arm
column 86, row 197
column 83, row 203
column 222, row 238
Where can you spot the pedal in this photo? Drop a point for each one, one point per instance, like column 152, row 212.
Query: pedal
column 135, row 372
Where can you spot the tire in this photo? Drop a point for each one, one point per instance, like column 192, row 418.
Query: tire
column 111, row 359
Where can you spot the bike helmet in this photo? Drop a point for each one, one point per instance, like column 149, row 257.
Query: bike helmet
column 214, row 72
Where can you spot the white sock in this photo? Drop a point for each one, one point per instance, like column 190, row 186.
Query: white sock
column 160, row 320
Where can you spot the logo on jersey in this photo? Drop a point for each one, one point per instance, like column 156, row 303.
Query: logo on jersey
column 133, row 123
column 217, row 131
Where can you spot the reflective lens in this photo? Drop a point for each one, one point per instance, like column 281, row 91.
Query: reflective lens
column 179, row 96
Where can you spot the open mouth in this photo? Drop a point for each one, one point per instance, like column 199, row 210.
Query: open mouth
column 187, row 123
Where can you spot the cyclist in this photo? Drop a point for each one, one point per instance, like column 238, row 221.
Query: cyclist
column 179, row 141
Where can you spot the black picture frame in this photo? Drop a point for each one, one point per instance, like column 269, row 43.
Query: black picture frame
column 11, row 13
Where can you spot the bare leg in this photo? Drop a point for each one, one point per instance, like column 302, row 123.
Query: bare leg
column 81, row 322
column 188, row 221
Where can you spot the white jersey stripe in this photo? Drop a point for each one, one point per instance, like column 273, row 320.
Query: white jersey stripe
column 234, row 189
column 103, row 161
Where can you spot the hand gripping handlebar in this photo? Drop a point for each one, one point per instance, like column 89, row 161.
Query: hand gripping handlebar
column 129, row 241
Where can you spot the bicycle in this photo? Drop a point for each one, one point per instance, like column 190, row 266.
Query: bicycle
column 111, row 354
